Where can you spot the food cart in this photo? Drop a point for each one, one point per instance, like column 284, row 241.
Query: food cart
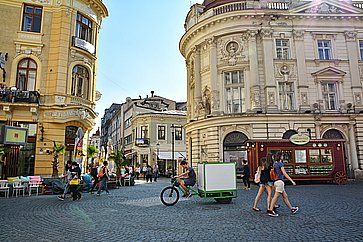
column 217, row 180
column 313, row 160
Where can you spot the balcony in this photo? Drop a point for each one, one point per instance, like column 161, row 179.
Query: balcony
column 142, row 142
column 9, row 96
column 84, row 45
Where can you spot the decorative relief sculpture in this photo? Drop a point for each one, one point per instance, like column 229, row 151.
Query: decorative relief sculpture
column 266, row 32
column 357, row 98
column 349, row 35
column 255, row 98
column 324, row 8
column 304, row 98
column 232, row 50
column 215, row 100
column 298, row 34
column 271, row 98
column 206, row 100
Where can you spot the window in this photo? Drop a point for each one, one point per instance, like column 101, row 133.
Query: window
column 80, row 82
column 282, row 49
column 144, row 133
column 324, row 49
column 84, row 28
column 161, row 132
column 234, row 84
column 286, row 96
column 330, row 96
column 128, row 139
column 26, row 75
column 361, row 49
column 32, row 18
column 178, row 133
column 128, row 122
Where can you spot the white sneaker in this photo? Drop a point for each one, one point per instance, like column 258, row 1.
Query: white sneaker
column 294, row 210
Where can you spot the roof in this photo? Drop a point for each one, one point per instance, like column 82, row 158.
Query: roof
column 213, row 3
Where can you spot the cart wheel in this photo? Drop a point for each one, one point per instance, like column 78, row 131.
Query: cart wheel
column 227, row 200
column 340, row 178
column 169, row 196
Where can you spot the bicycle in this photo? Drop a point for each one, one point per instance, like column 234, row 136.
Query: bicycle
column 170, row 195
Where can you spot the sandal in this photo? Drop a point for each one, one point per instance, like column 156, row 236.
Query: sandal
column 256, row 209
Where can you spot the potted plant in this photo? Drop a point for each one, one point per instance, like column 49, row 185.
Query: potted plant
column 57, row 150
column 91, row 152
column 119, row 159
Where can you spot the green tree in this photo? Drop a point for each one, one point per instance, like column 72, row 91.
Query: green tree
column 119, row 159
column 57, row 150
column 91, row 152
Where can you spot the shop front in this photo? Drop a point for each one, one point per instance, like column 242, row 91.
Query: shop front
column 309, row 160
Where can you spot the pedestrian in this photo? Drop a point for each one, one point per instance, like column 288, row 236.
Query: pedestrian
column 265, row 184
column 103, row 175
column 67, row 177
column 149, row 174
column 246, row 175
column 279, row 170
column 74, row 182
column 156, row 171
column 94, row 172
column 137, row 172
column 144, row 171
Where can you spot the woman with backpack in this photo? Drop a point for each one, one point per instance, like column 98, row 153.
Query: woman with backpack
column 262, row 178
column 279, row 172
column 104, row 175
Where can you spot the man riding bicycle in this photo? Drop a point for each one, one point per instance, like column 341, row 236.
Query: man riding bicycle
column 188, row 178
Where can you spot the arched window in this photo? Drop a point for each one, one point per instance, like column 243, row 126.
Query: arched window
column 333, row 134
column 80, row 82
column 26, row 75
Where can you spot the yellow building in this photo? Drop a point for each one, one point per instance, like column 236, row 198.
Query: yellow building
column 266, row 70
column 48, row 59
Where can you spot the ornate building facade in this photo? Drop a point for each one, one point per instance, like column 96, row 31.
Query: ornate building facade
column 264, row 70
column 49, row 57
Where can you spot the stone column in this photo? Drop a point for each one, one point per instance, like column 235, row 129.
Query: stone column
column 353, row 147
column 302, row 88
column 197, row 82
column 268, row 57
column 189, row 101
column 253, row 73
column 214, row 77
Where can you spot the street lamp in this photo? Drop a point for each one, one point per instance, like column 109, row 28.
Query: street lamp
column 157, row 153
column 172, row 150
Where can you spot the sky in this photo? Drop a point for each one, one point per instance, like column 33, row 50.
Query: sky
column 138, row 51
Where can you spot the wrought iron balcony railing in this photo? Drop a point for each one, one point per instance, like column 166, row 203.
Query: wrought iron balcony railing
column 17, row 96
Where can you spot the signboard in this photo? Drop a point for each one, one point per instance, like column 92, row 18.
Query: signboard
column 299, row 139
column 15, row 135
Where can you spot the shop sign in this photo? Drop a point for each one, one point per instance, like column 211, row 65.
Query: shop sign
column 299, row 139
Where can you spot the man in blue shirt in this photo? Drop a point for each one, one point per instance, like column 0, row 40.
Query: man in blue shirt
column 279, row 185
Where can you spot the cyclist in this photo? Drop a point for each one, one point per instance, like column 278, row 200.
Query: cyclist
column 188, row 178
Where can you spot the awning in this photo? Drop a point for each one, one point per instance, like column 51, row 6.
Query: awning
column 167, row 155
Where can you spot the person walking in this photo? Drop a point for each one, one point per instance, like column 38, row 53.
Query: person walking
column 156, row 172
column 246, row 175
column 94, row 173
column 265, row 184
column 104, row 175
column 137, row 172
column 75, row 175
column 278, row 168
column 149, row 174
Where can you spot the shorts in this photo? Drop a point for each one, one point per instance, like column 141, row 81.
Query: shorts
column 189, row 182
column 279, row 186
column 270, row 183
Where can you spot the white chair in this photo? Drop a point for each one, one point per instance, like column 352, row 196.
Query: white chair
column 4, row 187
column 17, row 187
column 127, row 180
column 34, row 183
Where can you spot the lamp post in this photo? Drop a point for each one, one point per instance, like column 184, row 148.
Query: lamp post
column 172, row 150
column 157, row 153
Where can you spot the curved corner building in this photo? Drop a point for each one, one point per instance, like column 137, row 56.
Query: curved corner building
column 47, row 81
column 265, row 70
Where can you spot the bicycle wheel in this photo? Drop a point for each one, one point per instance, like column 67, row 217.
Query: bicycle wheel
column 169, row 196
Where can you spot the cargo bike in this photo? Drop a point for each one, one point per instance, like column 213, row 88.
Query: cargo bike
column 215, row 180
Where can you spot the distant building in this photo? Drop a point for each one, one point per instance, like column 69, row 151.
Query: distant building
column 143, row 127
column 266, row 70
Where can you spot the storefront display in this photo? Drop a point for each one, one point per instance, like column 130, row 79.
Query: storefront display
column 315, row 160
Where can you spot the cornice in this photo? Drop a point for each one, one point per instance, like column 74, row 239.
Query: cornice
column 255, row 16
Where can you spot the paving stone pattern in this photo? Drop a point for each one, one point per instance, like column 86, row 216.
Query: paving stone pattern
column 327, row 213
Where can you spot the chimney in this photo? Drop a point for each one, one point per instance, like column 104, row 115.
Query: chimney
column 140, row 97
column 152, row 93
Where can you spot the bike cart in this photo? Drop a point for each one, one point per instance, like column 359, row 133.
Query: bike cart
column 215, row 180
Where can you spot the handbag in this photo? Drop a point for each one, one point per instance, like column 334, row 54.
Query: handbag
column 74, row 182
column 257, row 176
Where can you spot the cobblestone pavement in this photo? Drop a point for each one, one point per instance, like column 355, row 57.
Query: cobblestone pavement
column 327, row 213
